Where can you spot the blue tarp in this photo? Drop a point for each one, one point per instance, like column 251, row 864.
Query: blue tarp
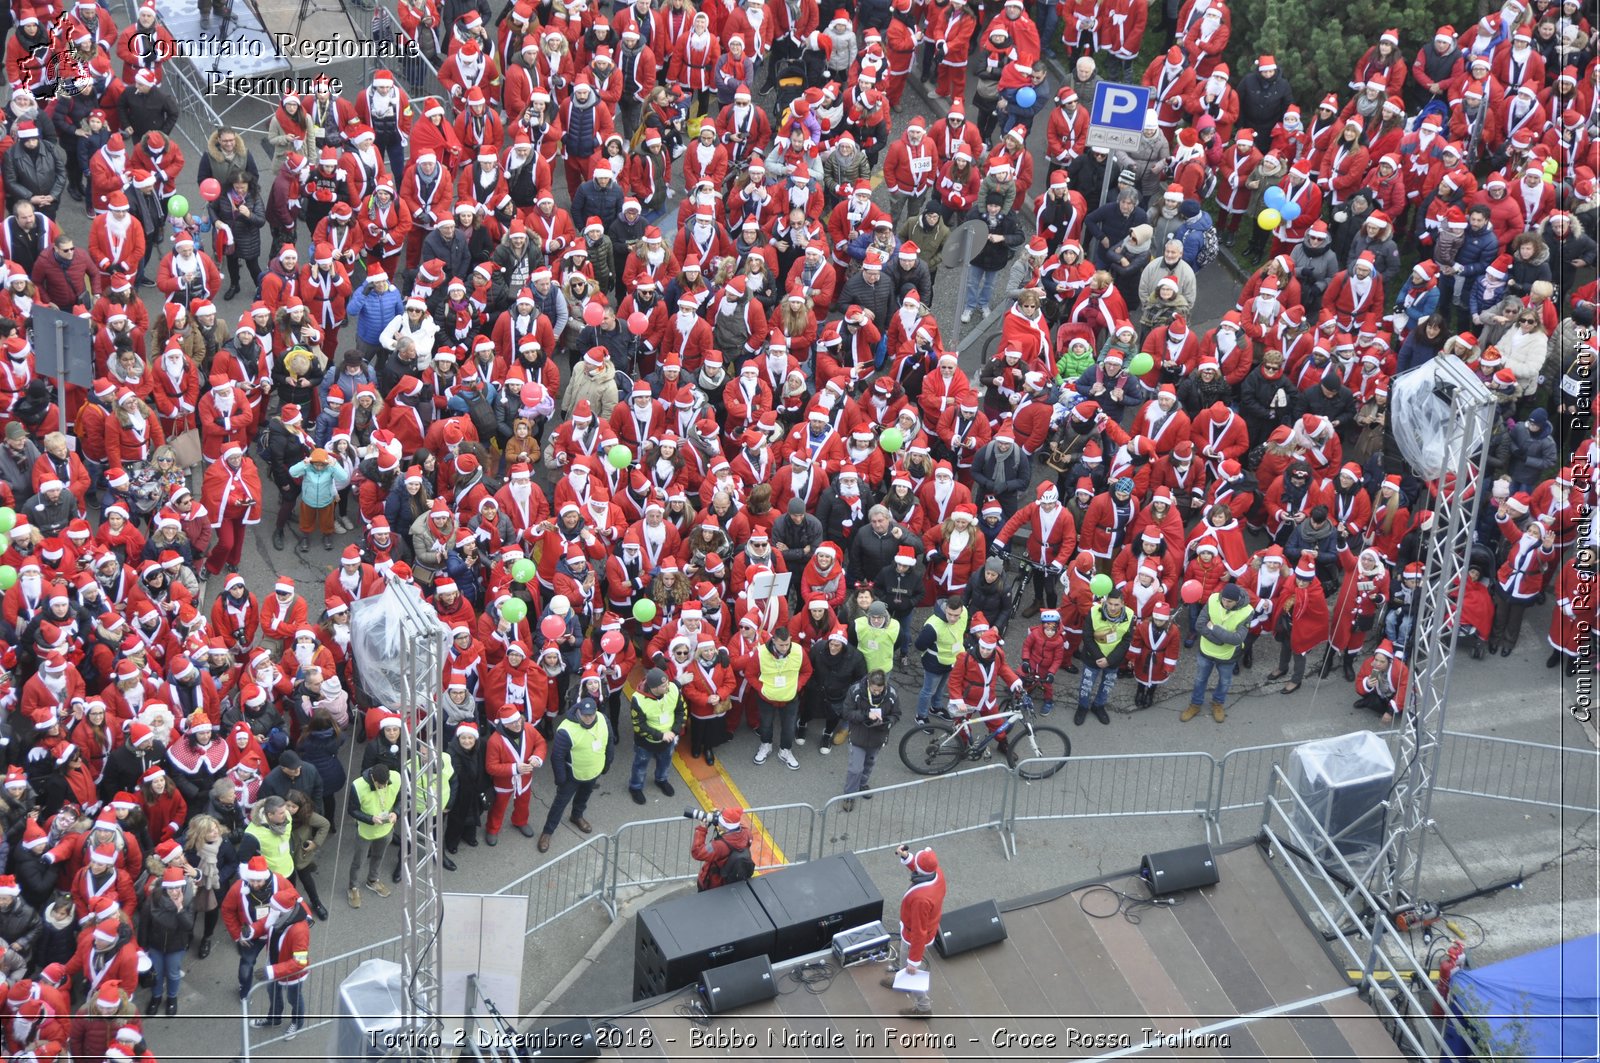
column 1553, row 994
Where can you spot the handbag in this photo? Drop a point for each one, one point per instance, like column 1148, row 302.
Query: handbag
column 186, row 446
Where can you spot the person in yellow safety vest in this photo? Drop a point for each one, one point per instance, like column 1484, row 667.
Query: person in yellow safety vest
column 940, row 640
column 373, row 796
column 579, row 755
column 876, row 636
column 779, row 671
column 1108, row 631
column 1223, row 625
column 421, row 782
column 659, row 715
column 835, row 667
column 269, row 834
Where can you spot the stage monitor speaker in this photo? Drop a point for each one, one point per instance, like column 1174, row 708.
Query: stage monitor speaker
column 568, row 1042
column 676, row 939
column 1344, row 782
column 808, row 903
column 734, row 985
column 969, row 928
column 1177, row 870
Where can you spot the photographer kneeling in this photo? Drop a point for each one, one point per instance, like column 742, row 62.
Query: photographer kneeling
column 727, row 857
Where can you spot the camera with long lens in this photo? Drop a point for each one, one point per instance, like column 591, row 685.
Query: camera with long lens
column 700, row 815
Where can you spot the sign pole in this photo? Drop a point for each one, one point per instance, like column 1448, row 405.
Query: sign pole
column 1105, row 178
column 61, row 373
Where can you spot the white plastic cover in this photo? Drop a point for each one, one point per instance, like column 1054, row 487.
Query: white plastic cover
column 1420, row 420
column 1342, row 780
column 377, row 639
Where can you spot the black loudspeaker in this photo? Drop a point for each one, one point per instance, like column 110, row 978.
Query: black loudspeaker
column 809, row 903
column 734, row 985
column 678, row 938
column 1177, row 870
column 570, row 1042
column 969, row 928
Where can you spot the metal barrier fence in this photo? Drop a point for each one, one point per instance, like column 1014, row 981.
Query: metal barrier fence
column 575, row 877
column 917, row 811
column 1115, row 785
column 1508, row 769
column 656, row 851
column 320, row 991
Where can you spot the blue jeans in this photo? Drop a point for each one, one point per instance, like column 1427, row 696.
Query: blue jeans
column 166, row 968
column 1397, row 627
column 248, row 953
column 933, row 684
column 1202, row 678
column 643, row 755
column 296, row 1000
column 1095, row 686
column 980, row 288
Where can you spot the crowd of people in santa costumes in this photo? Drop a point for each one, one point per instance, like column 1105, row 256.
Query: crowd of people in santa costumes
column 591, row 411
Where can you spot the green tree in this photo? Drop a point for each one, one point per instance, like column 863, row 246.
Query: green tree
column 1318, row 42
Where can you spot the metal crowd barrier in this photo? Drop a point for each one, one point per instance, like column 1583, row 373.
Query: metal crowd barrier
column 656, row 851
column 1530, row 773
column 1116, row 786
column 568, row 881
column 918, row 811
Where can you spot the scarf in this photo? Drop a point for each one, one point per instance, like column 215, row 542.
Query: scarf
column 209, row 877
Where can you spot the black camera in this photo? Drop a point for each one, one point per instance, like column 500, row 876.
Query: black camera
column 700, row 815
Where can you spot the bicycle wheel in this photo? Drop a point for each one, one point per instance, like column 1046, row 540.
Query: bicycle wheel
column 931, row 748
column 1049, row 743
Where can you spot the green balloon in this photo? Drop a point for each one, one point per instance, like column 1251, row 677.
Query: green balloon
column 1141, row 363
column 891, row 440
column 8, row 576
column 644, row 610
column 1101, row 585
column 619, row 457
column 8, row 519
column 515, row 611
column 524, row 570
column 177, row 206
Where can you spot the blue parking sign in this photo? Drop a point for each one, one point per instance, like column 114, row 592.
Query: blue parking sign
column 1116, row 118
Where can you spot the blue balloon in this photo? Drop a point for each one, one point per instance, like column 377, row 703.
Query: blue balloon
column 1290, row 211
column 1275, row 198
column 1026, row 97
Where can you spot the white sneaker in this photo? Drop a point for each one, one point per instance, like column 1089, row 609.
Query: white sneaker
column 788, row 759
column 292, row 1032
column 966, row 316
column 799, row 740
column 825, row 747
column 763, row 751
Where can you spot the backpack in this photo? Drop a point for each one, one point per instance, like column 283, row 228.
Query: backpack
column 740, row 866
column 1206, row 248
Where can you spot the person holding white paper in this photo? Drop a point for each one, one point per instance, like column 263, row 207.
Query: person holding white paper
column 921, row 909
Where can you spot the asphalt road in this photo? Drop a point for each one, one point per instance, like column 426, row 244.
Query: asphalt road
column 1511, row 697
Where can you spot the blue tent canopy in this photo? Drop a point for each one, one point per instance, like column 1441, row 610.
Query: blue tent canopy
column 1552, row 993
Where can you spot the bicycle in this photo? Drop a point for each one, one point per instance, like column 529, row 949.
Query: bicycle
column 1028, row 570
column 936, row 747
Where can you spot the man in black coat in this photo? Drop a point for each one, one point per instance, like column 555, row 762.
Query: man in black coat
column 797, row 533
column 899, row 585
column 874, row 545
column 836, row 666
column 1001, row 469
column 1333, row 400
column 1264, row 95
column 292, row 773
column 1108, row 225
column 146, row 106
column 871, row 710
column 1001, row 241
column 34, row 171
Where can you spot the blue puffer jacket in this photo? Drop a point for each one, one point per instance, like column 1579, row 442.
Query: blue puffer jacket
column 1478, row 250
column 373, row 311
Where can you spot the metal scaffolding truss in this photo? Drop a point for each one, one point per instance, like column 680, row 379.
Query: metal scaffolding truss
column 422, row 819
column 1446, row 559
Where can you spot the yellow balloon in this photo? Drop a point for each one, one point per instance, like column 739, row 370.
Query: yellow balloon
column 1269, row 218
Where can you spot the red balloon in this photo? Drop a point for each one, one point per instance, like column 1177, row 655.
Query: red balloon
column 612, row 642
column 552, row 627
column 593, row 314
column 210, row 190
column 1192, row 591
column 637, row 323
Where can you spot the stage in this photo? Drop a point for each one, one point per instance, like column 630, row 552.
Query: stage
column 1231, row 972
